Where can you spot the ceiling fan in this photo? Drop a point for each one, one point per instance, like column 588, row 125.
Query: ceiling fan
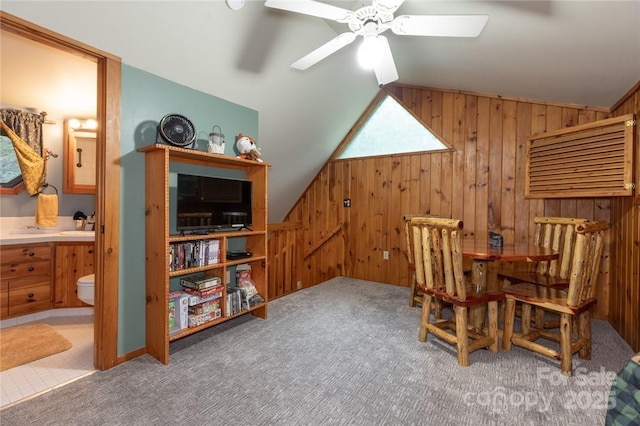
column 370, row 20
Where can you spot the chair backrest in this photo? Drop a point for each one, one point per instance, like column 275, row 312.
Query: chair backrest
column 409, row 235
column 585, row 266
column 557, row 233
column 437, row 254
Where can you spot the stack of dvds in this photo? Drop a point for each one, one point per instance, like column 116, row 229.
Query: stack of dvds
column 192, row 254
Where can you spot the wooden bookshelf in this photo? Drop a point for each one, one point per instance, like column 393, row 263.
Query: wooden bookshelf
column 158, row 158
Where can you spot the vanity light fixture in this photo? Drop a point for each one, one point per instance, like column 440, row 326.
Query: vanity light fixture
column 88, row 124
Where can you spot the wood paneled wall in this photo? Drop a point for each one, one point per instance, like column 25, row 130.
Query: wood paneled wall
column 624, row 293
column 480, row 181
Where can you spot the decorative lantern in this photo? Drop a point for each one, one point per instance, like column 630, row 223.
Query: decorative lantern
column 216, row 141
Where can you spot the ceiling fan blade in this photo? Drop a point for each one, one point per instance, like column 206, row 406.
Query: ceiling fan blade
column 386, row 71
column 311, row 7
column 323, row 51
column 439, row 25
column 389, row 6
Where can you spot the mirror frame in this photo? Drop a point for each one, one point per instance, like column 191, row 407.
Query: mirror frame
column 69, row 185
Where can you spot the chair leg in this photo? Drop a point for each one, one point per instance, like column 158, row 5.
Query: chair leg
column 424, row 317
column 462, row 338
column 509, row 317
column 539, row 317
column 525, row 318
column 493, row 325
column 584, row 334
column 437, row 309
column 412, row 286
column 565, row 344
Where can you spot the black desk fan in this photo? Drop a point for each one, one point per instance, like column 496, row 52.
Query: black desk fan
column 177, row 130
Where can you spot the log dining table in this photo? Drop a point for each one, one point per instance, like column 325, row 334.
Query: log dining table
column 481, row 253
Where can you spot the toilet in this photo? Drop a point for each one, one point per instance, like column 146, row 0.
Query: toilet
column 86, row 288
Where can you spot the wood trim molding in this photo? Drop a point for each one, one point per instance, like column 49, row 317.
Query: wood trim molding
column 626, row 96
column 42, row 35
column 283, row 226
column 14, row 190
column 108, row 215
column 107, row 190
column 505, row 98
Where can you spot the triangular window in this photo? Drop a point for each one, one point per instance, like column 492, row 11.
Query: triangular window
column 389, row 129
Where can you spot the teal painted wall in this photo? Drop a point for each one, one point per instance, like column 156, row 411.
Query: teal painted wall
column 146, row 98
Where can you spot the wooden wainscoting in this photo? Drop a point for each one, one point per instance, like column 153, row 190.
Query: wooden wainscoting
column 482, row 182
column 624, row 294
column 285, row 258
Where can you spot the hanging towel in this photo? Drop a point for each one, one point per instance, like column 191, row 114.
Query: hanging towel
column 47, row 210
column 30, row 162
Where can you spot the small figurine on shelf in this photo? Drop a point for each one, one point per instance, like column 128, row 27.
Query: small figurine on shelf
column 246, row 285
column 247, row 148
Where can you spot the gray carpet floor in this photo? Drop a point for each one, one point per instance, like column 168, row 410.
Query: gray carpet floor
column 344, row 352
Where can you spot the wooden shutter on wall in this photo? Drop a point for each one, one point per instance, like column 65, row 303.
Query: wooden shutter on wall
column 592, row 160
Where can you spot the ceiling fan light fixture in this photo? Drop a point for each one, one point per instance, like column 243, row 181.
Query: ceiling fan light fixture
column 370, row 19
column 369, row 52
column 234, row 4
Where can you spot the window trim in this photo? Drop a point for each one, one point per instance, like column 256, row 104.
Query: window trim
column 13, row 190
column 367, row 114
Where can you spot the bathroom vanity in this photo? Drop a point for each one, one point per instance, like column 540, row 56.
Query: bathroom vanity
column 39, row 270
column 26, row 279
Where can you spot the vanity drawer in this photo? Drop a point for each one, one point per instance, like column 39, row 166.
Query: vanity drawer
column 26, row 273
column 29, row 295
column 27, row 269
column 26, row 254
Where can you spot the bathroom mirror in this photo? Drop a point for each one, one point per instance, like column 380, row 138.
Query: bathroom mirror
column 79, row 156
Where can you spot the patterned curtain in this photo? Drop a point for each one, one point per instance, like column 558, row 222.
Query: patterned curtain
column 27, row 125
column 25, row 131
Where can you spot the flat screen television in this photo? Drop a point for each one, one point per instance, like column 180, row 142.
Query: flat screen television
column 211, row 203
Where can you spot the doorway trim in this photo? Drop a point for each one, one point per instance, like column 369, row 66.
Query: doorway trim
column 107, row 241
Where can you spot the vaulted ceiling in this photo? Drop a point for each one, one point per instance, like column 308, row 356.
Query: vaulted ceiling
column 578, row 52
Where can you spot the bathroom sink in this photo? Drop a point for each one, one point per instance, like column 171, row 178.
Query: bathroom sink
column 80, row 233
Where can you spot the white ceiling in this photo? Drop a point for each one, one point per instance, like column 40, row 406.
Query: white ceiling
column 578, row 52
